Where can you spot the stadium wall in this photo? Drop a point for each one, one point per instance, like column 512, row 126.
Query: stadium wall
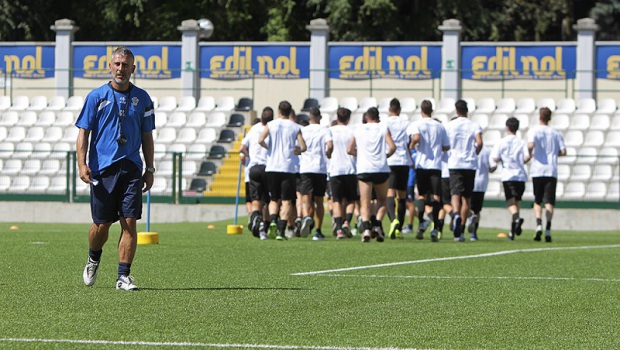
column 591, row 220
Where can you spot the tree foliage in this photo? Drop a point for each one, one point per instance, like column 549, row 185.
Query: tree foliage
column 285, row 20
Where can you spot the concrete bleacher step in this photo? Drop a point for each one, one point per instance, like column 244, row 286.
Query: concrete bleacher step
column 227, row 176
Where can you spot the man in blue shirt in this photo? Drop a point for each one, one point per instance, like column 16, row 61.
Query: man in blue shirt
column 119, row 119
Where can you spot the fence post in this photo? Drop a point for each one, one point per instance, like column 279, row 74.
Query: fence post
column 451, row 57
column 319, row 74
column 190, row 53
column 63, row 56
column 586, row 64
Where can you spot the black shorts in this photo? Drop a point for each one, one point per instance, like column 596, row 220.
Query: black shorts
column 281, row 186
column 118, row 193
column 297, row 183
column 399, row 176
column 344, row 187
column 259, row 186
column 477, row 200
column 313, row 183
column 462, row 182
column 544, row 189
column 411, row 193
column 248, row 199
column 429, row 181
column 514, row 189
column 446, row 197
column 374, row 178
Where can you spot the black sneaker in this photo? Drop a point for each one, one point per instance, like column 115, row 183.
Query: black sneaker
column 538, row 233
column 548, row 236
column 318, row 236
column 518, row 228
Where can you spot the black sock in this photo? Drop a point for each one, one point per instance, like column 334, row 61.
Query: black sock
column 391, row 207
column 435, row 214
column 373, row 221
column 274, row 218
column 420, row 206
column 539, row 221
column 124, row 269
column 318, row 230
column 515, row 216
column 402, row 209
column 441, row 223
column 476, row 228
column 338, row 223
column 95, row 255
column 364, row 225
column 432, row 216
column 349, row 218
column 282, row 226
column 548, row 225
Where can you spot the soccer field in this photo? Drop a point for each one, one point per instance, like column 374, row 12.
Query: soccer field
column 202, row 288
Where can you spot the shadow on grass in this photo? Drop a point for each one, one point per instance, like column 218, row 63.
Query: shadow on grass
column 222, row 288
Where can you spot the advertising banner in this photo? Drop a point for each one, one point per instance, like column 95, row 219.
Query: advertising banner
column 31, row 61
column 231, row 62
column 413, row 62
column 152, row 61
column 608, row 62
column 551, row 62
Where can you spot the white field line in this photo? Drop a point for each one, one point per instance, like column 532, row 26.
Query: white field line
column 481, row 278
column 475, row 256
column 183, row 344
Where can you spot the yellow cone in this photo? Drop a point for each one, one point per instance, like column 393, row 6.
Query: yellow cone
column 501, row 235
column 148, row 238
column 234, row 229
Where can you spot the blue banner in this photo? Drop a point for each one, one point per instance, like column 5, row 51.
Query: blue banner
column 243, row 62
column 551, row 62
column 394, row 62
column 32, row 61
column 152, row 61
column 608, row 62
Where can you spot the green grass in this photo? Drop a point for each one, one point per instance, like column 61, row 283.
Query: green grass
column 206, row 287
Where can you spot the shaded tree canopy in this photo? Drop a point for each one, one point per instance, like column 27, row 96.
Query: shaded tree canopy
column 285, row 20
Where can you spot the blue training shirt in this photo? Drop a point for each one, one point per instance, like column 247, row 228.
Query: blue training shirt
column 101, row 115
column 412, row 176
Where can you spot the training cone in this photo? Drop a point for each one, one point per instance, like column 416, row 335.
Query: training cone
column 234, row 229
column 148, row 238
column 501, row 235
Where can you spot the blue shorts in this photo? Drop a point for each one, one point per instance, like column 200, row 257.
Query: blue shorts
column 411, row 193
column 118, row 193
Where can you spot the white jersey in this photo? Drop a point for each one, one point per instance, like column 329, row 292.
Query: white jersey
column 398, row 128
column 281, row 153
column 371, row 148
column 258, row 153
column 462, row 134
column 314, row 159
column 511, row 151
column 341, row 163
column 433, row 138
column 445, row 172
column 485, row 161
column 246, row 170
column 547, row 145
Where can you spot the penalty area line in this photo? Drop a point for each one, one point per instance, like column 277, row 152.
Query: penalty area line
column 451, row 258
column 189, row 344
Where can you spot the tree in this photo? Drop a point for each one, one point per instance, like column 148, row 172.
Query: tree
column 607, row 16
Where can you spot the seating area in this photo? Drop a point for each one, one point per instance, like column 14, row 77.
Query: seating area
column 36, row 134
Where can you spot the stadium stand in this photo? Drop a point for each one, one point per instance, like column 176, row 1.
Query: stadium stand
column 167, row 104
column 225, row 104
column 186, row 104
column 236, row 120
column 37, row 103
column 245, row 104
column 205, row 104
column 566, row 106
column 309, row 103
column 56, row 103
column 20, row 103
